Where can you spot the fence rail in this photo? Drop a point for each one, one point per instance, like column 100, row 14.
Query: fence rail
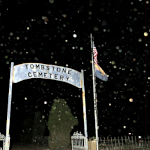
column 111, row 143
column 124, row 143
column 2, row 138
column 79, row 142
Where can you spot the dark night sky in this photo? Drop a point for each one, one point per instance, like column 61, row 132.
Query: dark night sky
column 44, row 31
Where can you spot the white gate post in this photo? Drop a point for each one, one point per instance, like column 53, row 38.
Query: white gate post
column 84, row 109
column 7, row 141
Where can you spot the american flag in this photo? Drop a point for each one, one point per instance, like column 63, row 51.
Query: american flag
column 95, row 54
column 99, row 72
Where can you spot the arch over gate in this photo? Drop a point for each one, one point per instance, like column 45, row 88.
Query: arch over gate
column 38, row 70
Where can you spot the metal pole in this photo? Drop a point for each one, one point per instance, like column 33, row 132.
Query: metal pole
column 7, row 141
column 94, row 95
column 84, row 109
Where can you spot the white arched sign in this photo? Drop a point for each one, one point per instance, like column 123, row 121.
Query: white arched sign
column 38, row 70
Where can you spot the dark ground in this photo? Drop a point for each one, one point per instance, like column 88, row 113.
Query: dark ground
column 29, row 147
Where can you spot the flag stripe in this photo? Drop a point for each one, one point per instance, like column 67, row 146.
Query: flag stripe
column 95, row 54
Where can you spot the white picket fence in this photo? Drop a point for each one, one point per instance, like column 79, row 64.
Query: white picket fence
column 124, row 143
column 2, row 138
column 79, row 141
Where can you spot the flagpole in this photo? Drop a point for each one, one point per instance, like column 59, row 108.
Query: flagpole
column 94, row 95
